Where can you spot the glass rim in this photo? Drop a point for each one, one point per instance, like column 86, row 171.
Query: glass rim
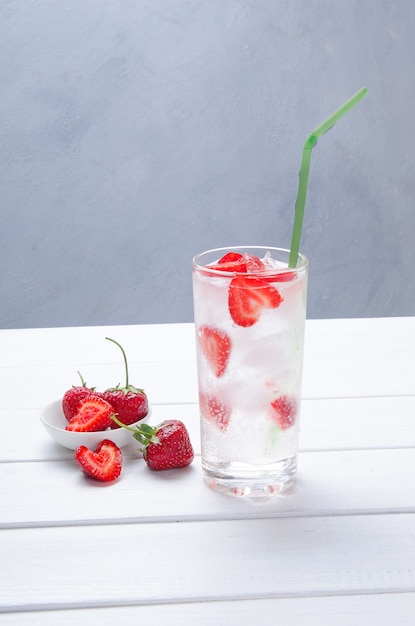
column 302, row 260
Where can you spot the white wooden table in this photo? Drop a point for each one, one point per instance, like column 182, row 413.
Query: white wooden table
column 161, row 548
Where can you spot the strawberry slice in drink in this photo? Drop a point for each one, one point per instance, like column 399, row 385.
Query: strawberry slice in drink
column 284, row 411
column 248, row 296
column 216, row 347
column 230, row 262
column 214, row 410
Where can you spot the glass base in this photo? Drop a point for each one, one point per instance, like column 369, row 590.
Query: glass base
column 251, row 481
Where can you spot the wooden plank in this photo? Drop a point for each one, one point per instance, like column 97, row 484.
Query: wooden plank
column 26, row 439
column 163, row 382
column 164, row 342
column 226, row 560
column 340, row 424
column 359, row 610
column 329, row 483
column 77, row 346
column 176, row 383
column 357, row 337
column 343, row 541
column 343, row 358
column 357, row 423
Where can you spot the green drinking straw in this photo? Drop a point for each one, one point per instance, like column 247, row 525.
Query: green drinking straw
column 305, row 169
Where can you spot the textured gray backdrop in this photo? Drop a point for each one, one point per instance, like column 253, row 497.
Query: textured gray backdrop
column 136, row 133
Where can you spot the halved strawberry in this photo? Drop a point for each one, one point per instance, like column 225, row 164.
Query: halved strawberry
column 216, row 347
column 284, row 411
column 93, row 413
column 248, row 296
column 230, row 262
column 214, row 410
column 104, row 463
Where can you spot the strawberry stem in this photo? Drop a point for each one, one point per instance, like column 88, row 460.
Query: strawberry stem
column 124, row 357
column 144, row 433
column 117, row 421
column 82, row 380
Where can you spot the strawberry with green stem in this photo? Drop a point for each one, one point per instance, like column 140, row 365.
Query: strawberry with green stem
column 166, row 446
column 73, row 397
column 129, row 403
column 214, row 410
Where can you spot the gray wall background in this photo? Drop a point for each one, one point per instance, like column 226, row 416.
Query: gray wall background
column 136, row 133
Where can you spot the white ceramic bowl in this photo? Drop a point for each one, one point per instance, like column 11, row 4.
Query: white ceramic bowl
column 54, row 421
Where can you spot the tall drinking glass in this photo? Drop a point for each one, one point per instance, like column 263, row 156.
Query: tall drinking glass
column 250, row 310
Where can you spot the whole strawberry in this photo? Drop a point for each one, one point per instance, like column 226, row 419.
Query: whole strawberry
column 166, row 446
column 129, row 403
column 171, row 447
column 73, row 397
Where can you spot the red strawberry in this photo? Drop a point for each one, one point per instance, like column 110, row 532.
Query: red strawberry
column 72, row 398
column 93, row 414
column 173, row 449
column 214, row 410
column 103, row 464
column 230, row 262
column 130, row 405
column 248, row 296
column 284, row 411
column 216, row 346
column 166, row 446
column 129, row 402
